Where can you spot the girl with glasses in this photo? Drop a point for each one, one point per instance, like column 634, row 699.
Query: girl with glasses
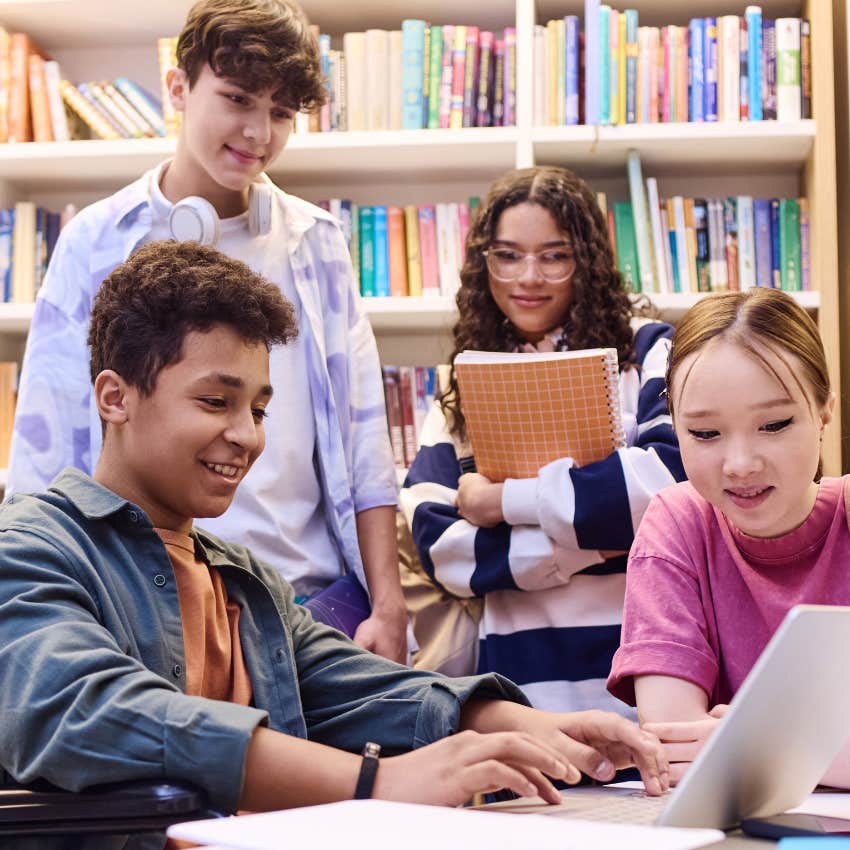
column 548, row 554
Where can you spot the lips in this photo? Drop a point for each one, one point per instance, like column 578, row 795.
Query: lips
column 226, row 470
column 529, row 300
column 749, row 497
column 243, row 156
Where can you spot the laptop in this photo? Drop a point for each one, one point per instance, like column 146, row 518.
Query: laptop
column 784, row 727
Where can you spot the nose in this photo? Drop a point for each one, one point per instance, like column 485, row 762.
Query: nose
column 258, row 127
column 243, row 431
column 530, row 271
column 741, row 459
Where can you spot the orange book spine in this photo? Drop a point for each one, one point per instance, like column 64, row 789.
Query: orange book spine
column 397, row 251
column 5, row 79
column 42, row 126
column 86, row 111
column 20, row 123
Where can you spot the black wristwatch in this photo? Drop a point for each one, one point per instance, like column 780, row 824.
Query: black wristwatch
column 368, row 771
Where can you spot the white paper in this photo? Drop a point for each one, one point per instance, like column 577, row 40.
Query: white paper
column 380, row 825
column 833, row 805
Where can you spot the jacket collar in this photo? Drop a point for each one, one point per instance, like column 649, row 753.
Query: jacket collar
column 92, row 500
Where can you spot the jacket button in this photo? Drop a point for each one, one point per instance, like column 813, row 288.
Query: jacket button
column 177, row 671
column 279, row 655
column 133, row 516
column 159, row 580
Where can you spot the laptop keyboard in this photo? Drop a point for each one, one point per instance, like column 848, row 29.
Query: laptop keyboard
column 636, row 808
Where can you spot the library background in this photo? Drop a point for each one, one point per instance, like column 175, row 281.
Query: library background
column 714, row 132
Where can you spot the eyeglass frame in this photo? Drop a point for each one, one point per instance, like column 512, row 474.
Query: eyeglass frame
column 525, row 256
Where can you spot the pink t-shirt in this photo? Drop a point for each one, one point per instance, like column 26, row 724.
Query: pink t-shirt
column 703, row 599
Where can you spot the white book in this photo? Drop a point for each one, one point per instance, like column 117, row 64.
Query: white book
column 396, row 75
column 541, row 112
column 377, row 79
column 685, row 282
column 58, row 118
column 729, row 48
column 658, row 235
column 354, row 50
column 446, row 238
column 788, row 88
column 746, row 242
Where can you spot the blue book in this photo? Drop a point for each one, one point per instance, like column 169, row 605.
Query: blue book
column 775, row 264
column 604, row 65
column 754, row 61
column 709, row 55
column 674, row 258
column 591, row 61
column 571, row 60
column 7, row 225
column 325, row 60
column 382, row 257
column 413, row 46
column 764, row 244
column 696, row 111
column 630, row 94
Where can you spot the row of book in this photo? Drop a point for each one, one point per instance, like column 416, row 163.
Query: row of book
column 411, row 250
column 37, row 104
column 28, row 235
column 422, row 76
column 409, row 393
column 728, row 68
column 708, row 244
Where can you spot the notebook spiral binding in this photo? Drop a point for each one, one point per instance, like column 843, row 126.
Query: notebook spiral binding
column 611, row 367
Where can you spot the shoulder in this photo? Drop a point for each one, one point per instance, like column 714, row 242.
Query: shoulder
column 651, row 337
column 677, row 516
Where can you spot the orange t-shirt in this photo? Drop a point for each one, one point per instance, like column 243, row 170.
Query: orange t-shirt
column 215, row 667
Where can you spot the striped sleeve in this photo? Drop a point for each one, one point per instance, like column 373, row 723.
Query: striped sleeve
column 465, row 559
column 600, row 505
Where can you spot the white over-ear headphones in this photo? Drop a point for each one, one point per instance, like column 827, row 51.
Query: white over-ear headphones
column 194, row 219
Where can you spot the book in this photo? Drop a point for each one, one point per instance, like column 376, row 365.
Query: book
column 397, row 251
column 710, row 74
column 768, row 65
column 761, row 216
column 789, row 245
column 395, row 75
column 696, row 29
column 382, row 258
column 746, row 242
column 142, row 103
column 413, row 34
column 428, row 250
column 805, row 69
column 42, row 123
column 87, row 113
column 458, row 77
column 411, row 240
column 626, row 245
column 637, row 192
column 435, row 76
column 754, row 58
column 392, row 397
column 592, row 85
column 571, row 70
column 354, row 51
column 470, row 93
column 5, row 82
column 523, row 411
column 789, row 105
column 805, row 246
column 377, row 57
column 367, row 252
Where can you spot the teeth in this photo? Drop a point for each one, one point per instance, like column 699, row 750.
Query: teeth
column 221, row 469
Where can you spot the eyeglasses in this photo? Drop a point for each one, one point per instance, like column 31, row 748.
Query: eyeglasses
column 555, row 265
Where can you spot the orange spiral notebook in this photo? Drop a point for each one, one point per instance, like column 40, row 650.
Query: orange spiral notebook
column 525, row 410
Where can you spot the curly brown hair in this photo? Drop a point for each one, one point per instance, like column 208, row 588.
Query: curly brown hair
column 259, row 45
column 600, row 311
column 164, row 291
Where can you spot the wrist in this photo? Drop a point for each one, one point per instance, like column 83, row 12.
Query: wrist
column 491, row 715
column 366, row 778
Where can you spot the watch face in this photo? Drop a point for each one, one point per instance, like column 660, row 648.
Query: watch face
column 371, row 750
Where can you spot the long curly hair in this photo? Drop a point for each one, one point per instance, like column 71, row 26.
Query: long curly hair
column 600, row 311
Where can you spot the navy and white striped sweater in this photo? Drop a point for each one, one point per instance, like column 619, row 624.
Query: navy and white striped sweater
column 552, row 603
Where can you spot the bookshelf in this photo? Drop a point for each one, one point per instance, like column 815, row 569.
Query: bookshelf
column 425, row 166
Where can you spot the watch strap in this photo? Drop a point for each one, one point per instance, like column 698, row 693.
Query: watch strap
column 368, row 771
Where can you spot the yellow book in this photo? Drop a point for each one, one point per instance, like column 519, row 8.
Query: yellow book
column 414, row 261
column 90, row 116
column 621, row 115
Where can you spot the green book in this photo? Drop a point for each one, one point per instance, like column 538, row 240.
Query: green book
column 367, row 252
column 627, row 254
column 789, row 245
column 435, row 60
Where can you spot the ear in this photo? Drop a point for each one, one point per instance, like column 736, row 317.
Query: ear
column 177, row 82
column 110, row 395
column 827, row 411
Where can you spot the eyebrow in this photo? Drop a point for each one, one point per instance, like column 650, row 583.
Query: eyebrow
column 232, row 381
column 762, row 405
column 553, row 244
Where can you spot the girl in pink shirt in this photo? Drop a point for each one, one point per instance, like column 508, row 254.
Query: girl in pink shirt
column 719, row 560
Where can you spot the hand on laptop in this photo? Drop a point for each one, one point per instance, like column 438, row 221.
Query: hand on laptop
column 596, row 742
column 682, row 740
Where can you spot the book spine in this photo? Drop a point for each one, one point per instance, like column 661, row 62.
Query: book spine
column 768, row 91
column 426, row 75
column 557, row 72
column 127, row 110
column 648, row 281
column 509, row 88
column 627, row 255
column 90, row 116
column 395, row 75
column 407, row 393
column 5, row 84
column 743, row 70
column 696, row 31
column 716, row 246
column 730, row 226
column 96, row 102
column 761, row 222
column 775, row 253
column 458, row 77
column 498, row 83
column 703, row 256
column 691, row 243
column 428, row 250
column 166, row 49
column 682, row 256
column 805, row 246
column 710, row 57
column 746, row 243
column 788, row 94
column 484, row 111
column 805, row 69
column 571, row 70
column 377, row 79
column 23, row 241
column 397, row 251
column 667, row 90
column 730, row 67
column 354, row 51
column 754, row 55
column 604, row 64
column 435, row 77
column 20, row 123
column 654, row 73
column 631, row 62
column 470, row 93
column 658, row 236
column 367, row 252
column 414, row 257
column 325, row 63
column 614, row 66
column 395, row 423
column 141, row 104
column 789, row 244
column 382, row 266
column 42, row 129
column 7, row 226
column 592, row 62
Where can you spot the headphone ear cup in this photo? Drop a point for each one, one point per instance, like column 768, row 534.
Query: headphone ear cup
column 194, row 219
column 259, row 209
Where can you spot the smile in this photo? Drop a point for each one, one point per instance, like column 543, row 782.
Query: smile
column 226, row 470
column 529, row 300
column 749, row 497
column 243, row 156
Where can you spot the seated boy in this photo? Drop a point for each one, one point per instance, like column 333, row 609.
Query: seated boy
column 133, row 645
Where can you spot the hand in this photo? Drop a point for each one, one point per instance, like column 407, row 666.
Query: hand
column 596, row 742
column 385, row 633
column 479, row 500
column 450, row 771
column 683, row 740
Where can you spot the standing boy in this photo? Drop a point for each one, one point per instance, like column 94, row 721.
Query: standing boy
column 322, row 501
column 135, row 646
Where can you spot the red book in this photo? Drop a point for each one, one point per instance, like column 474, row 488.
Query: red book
column 407, row 393
column 394, row 421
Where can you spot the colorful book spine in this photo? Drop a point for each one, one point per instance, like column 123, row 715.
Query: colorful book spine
column 5, row 83
column 717, row 246
column 414, row 257
column 648, row 281
column 754, row 56
column 789, row 105
column 435, row 77
column 630, row 48
column 682, row 256
column 571, row 70
column 484, row 110
column 413, row 36
column 710, row 74
column 127, row 109
column 658, row 234
column 761, row 220
column 592, row 81
column 604, row 41
column 42, row 125
column 141, row 103
column 557, row 76
column 730, row 224
column 395, row 73
column 426, row 74
column 510, row 77
column 458, row 77
column 626, row 246
column 789, row 245
column 696, row 42
column 325, row 61
column 746, row 243
column 499, row 83
column 397, row 252
column 428, row 250
column 775, row 252
column 470, row 78
column 768, row 66
column 805, row 246
column 382, row 266
column 446, row 71
column 89, row 115
column 729, row 46
column 367, row 252
column 805, row 69
column 703, row 254
column 7, row 226
column 614, row 66
column 743, row 71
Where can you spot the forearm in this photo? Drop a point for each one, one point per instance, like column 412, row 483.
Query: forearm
column 376, row 532
column 662, row 699
column 282, row 772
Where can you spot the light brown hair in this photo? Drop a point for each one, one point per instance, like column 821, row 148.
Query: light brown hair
column 257, row 44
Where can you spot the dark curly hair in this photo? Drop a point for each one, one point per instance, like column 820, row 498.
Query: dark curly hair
column 164, row 291
column 258, row 44
column 600, row 312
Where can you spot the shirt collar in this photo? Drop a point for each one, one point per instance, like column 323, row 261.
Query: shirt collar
column 92, row 500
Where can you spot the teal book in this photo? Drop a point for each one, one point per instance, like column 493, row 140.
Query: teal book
column 413, row 45
column 627, row 253
column 789, row 245
column 382, row 255
column 640, row 215
column 354, row 245
column 604, row 65
column 367, row 252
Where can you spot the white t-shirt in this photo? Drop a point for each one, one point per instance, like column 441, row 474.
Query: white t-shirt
column 277, row 511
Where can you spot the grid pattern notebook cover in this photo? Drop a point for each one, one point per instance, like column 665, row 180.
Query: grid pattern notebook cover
column 525, row 410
